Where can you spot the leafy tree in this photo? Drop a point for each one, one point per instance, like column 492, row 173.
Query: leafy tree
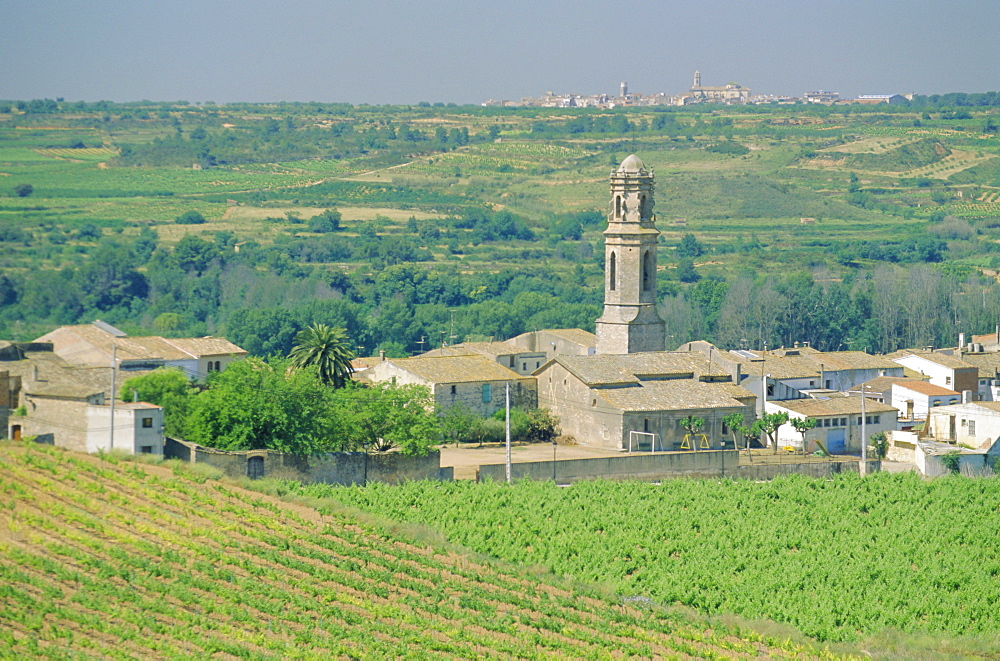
column 952, row 460
column 386, row 416
column 690, row 246
column 328, row 221
column 256, row 405
column 880, row 445
column 167, row 387
column 692, row 425
column 23, row 190
column 456, row 421
column 328, row 350
column 767, row 425
column 737, row 427
column 190, row 218
column 802, row 425
column 686, row 271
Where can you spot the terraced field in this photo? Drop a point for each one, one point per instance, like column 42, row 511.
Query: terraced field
column 121, row 560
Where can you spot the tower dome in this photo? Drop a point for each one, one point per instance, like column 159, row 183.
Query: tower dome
column 632, row 164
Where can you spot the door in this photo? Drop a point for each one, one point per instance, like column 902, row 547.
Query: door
column 836, row 441
column 15, row 432
column 255, row 467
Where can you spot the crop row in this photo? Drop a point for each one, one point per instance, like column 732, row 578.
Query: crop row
column 112, row 559
column 838, row 560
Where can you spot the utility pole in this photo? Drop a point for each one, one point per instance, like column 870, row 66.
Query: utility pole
column 114, row 362
column 864, row 428
column 507, row 408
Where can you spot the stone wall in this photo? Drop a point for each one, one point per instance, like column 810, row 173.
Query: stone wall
column 712, row 464
column 650, row 467
column 345, row 468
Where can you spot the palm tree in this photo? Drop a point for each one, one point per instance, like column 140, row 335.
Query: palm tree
column 325, row 347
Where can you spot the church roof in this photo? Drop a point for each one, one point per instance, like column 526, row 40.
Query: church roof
column 620, row 369
column 679, row 395
column 632, row 163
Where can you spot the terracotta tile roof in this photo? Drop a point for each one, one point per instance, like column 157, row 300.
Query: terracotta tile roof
column 202, row 346
column 778, row 366
column 883, row 383
column 941, row 359
column 494, row 349
column 453, row 350
column 679, row 395
column 852, row 360
column 833, row 406
column 577, row 335
column 988, row 363
column 926, row 388
column 608, row 369
column 456, row 369
column 365, row 362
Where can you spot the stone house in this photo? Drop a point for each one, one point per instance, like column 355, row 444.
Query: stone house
column 69, row 406
column 472, row 380
column 508, row 354
column 988, row 365
column 94, row 344
column 838, row 421
column 640, row 399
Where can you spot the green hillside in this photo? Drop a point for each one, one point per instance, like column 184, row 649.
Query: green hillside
column 103, row 559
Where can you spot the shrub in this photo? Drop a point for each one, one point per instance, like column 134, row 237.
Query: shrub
column 190, row 218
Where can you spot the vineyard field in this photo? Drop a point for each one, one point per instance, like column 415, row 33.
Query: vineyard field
column 101, row 558
column 842, row 559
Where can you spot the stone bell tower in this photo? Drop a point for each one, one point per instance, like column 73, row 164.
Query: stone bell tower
column 630, row 322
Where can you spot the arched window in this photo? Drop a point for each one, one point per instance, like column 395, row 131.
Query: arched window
column 642, row 206
column 618, row 206
column 647, row 280
column 218, row 366
column 612, row 271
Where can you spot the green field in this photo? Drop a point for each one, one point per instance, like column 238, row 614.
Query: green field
column 841, row 559
column 103, row 559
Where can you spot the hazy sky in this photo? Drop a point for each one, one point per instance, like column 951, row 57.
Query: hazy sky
column 406, row 51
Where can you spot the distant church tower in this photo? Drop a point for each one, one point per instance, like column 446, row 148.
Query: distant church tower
column 697, row 79
column 624, row 89
column 630, row 322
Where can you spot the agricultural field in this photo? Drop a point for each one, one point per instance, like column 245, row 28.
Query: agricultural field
column 846, row 559
column 101, row 558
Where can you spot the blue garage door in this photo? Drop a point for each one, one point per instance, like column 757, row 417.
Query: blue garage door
column 835, row 441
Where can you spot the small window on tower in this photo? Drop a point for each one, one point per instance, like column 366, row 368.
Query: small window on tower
column 618, row 206
column 647, row 281
column 612, row 271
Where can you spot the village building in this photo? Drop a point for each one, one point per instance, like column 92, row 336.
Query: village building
column 941, row 369
column 558, row 342
column 731, row 93
column 639, row 401
column 52, row 401
column 838, row 422
column 472, row 380
column 914, row 399
column 507, row 354
column 98, row 343
column 971, row 424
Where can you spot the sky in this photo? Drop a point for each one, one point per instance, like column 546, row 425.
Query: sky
column 455, row 51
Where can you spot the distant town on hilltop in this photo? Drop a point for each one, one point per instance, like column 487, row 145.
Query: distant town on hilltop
column 731, row 93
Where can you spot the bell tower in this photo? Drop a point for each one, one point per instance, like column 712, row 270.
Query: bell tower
column 630, row 322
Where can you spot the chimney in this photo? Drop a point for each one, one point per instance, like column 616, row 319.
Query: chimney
column 796, row 345
column 381, row 355
column 966, row 396
column 805, row 344
column 961, row 341
column 739, row 373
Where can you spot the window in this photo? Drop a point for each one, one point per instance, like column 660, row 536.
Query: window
column 538, row 364
column 454, row 389
column 645, row 425
column 859, row 419
column 843, row 422
column 147, row 423
column 612, row 271
column 812, row 383
column 826, row 422
column 875, row 419
column 487, row 393
column 647, row 281
column 972, row 427
column 828, row 384
column 524, row 367
column 512, row 363
column 868, row 419
column 618, row 206
column 146, row 449
column 218, row 366
column 725, row 428
column 947, row 380
column 770, row 390
column 210, row 365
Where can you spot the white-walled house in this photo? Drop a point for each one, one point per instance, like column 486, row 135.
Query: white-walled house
column 913, row 399
column 138, row 428
column 972, row 424
column 838, row 421
column 941, row 369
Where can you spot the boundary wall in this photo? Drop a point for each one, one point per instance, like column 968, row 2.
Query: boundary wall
column 344, row 468
column 711, row 464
